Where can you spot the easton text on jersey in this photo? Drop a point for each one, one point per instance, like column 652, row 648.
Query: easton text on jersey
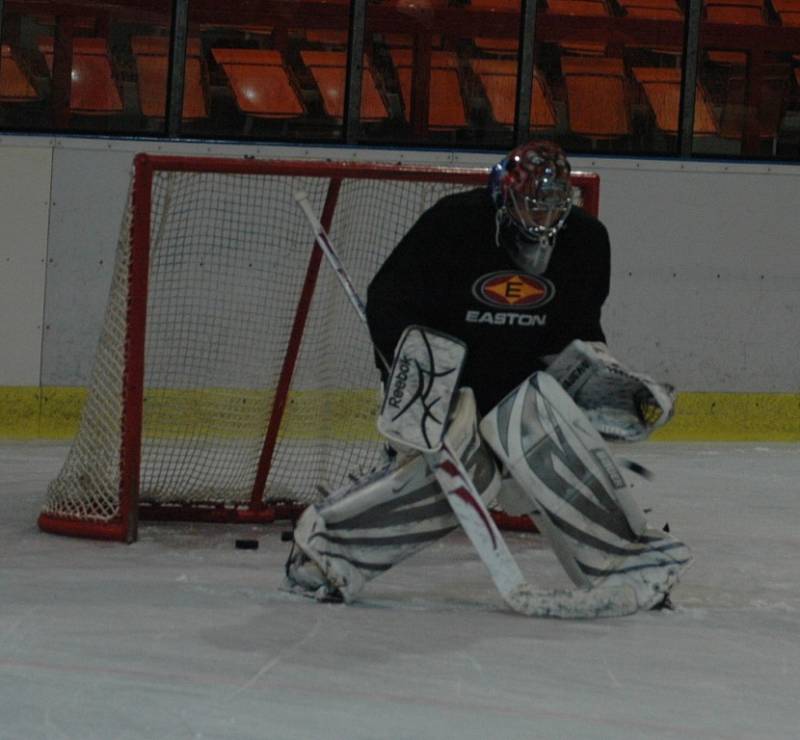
column 500, row 318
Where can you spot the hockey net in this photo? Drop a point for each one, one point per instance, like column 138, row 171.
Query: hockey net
column 232, row 378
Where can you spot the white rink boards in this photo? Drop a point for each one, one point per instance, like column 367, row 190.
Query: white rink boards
column 183, row 636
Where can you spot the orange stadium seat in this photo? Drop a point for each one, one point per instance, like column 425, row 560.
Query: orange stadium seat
column 496, row 45
column 15, row 86
column 742, row 12
column 727, row 58
column 578, row 7
column 592, row 79
column 446, row 108
column 499, row 78
column 772, row 89
column 417, row 7
column 152, row 62
column 662, row 88
column 93, row 89
column 259, row 82
column 406, row 40
column 788, row 11
column 656, row 10
column 591, row 8
column 329, row 71
column 662, row 10
column 499, row 46
column 329, row 37
column 496, row 6
column 738, row 12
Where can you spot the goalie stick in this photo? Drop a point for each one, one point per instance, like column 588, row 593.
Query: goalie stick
column 471, row 511
column 509, row 580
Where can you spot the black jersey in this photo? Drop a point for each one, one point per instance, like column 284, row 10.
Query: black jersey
column 448, row 274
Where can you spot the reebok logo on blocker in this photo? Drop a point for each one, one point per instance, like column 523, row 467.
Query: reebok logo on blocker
column 400, row 381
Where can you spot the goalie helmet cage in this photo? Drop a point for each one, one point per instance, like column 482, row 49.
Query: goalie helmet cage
column 233, row 381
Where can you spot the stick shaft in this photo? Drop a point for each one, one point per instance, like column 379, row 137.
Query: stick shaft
column 325, row 244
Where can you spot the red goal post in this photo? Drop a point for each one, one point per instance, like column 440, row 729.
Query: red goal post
column 232, row 380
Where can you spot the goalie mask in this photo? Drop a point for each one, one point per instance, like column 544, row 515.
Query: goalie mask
column 532, row 193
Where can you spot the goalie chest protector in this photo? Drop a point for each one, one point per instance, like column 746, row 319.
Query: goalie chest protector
column 448, row 274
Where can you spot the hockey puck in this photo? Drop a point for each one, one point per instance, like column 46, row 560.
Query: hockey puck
column 638, row 469
column 287, row 536
column 247, row 544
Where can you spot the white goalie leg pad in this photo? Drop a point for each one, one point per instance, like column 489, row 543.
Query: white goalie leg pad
column 596, row 528
column 365, row 528
column 513, row 500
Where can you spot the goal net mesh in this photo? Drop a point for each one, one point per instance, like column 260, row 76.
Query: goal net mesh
column 228, row 259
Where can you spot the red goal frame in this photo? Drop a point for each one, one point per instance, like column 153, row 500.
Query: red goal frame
column 124, row 527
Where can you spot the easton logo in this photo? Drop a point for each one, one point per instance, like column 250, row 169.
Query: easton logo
column 513, row 290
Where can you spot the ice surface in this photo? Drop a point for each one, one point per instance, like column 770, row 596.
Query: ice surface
column 183, row 636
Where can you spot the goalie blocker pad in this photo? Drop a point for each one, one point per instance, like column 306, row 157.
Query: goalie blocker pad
column 421, row 388
column 585, row 509
column 620, row 404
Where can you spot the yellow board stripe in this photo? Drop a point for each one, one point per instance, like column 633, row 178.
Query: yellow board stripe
column 734, row 417
column 54, row 413
column 40, row 413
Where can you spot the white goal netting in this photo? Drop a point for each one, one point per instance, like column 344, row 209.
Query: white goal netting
column 228, row 259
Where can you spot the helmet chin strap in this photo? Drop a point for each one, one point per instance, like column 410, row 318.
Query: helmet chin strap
column 533, row 256
column 529, row 252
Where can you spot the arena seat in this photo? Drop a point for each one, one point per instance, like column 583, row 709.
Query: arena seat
column 329, row 69
column 328, row 37
column 655, row 10
column 15, row 86
column 496, row 6
column 662, row 10
column 499, row 79
column 788, row 12
column 260, row 83
column 497, row 46
column 737, row 12
column 578, row 7
column 773, row 87
column 590, row 8
column 93, row 89
column 152, row 62
column 507, row 45
column 592, row 79
column 741, row 12
column 662, row 89
column 446, row 108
